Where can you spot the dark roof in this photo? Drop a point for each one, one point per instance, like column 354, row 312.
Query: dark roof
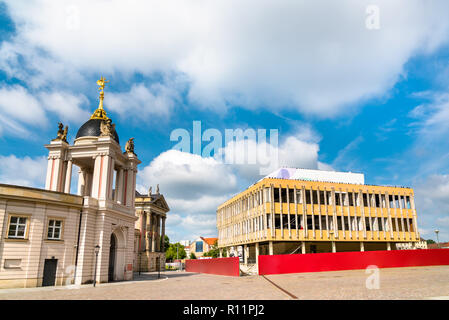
column 92, row 129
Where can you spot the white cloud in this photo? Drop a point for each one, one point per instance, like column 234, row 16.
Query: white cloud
column 18, row 106
column 188, row 176
column 22, row 110
column 248, row 156
column 24, row 171
column 157, row 99
column 66, row 106
column 278, row 54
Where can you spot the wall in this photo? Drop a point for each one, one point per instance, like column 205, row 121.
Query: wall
column 221, row 266
column 296, row 263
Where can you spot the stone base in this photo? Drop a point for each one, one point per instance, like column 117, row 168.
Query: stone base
column 147, row 261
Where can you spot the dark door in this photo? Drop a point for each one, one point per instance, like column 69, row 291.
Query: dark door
column 49, row 272
column 112, row 258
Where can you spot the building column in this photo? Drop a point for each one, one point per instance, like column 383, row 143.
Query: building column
column 68, row 177
column 270, row 248
column 220, row 251
column 81, row 182
column 362, row 246
column 303, row 247
column 257, row 253
column 142, row 231
column 228, row 252
column 334, row 247
column 153, row 233
column 245, row 253
column 389, row 246
column 158, row 235
column 163, row 235
column 119, row 187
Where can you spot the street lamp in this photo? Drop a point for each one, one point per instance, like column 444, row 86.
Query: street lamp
column 438, row 241
column 96, row 250
column 140, row 261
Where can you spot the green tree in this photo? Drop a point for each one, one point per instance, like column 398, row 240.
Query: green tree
column 214, row 252
column 192, row 255
column 175, row 250
column 430, row 241
column 166, row 243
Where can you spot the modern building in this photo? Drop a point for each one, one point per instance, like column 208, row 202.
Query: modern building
column 201, row 246
column 310, row 211
column 149, row 252
column 53, row 237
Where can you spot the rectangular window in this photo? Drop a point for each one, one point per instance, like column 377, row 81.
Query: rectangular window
column 17, row 227
column 54, row 230
column 308, row 198
column 199, row 246
column 351, row 199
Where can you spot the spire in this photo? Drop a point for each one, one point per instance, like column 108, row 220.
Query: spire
column 100, row 113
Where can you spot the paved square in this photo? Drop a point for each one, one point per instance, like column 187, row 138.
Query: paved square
column 395, row 283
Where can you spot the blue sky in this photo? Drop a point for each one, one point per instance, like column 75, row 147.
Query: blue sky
column 343, row 96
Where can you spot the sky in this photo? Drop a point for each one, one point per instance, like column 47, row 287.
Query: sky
column 353, row 85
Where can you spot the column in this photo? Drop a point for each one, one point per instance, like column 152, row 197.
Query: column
column 296, row 212
column 320, row 227
column 142, row 230
column 119, row 187
column 270, row 248
column 149, row 229
column 281, row 211
column 68, row 176
column 288, row 213
column 334, row 248
column 81, row 182
column 362, row 246
column 303, row 247
column 153, row 234
column 158, row 230
column 163, row 234
column 389, row 246
column 257, row 253
column 304, row 212
column 220, row 251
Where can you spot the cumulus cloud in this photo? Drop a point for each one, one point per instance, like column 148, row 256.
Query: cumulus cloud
column 24, row 171
column 276, row 54
column 22, row 110
column 157, row 99
column 195, row 186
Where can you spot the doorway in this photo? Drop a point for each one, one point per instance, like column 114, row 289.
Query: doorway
column 112, row 254
column 50, row 266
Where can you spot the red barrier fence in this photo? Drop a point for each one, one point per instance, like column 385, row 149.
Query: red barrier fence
column 222, row 266
column 315, row 262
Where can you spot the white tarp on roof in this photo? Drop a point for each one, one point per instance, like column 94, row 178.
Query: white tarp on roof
column 318, row 175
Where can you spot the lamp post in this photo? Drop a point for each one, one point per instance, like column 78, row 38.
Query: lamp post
column 96, row 250
column 438, row 241
column 140, row 261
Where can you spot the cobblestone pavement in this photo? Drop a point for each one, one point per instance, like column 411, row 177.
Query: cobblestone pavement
column 395, row 283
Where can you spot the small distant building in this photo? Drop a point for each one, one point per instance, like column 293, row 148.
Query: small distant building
column 201, row 246
column 442, row 245
column 149, row 251
column 186, row 244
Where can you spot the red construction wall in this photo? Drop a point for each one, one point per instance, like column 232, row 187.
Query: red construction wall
column 222, row 266
column 315, row 262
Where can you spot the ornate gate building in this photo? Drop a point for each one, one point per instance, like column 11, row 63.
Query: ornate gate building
column 50, row 236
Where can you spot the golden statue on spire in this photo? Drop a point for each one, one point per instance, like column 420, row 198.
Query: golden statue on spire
column 100, row 113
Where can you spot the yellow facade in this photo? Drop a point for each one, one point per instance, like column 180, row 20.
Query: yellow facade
column 312, row 211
